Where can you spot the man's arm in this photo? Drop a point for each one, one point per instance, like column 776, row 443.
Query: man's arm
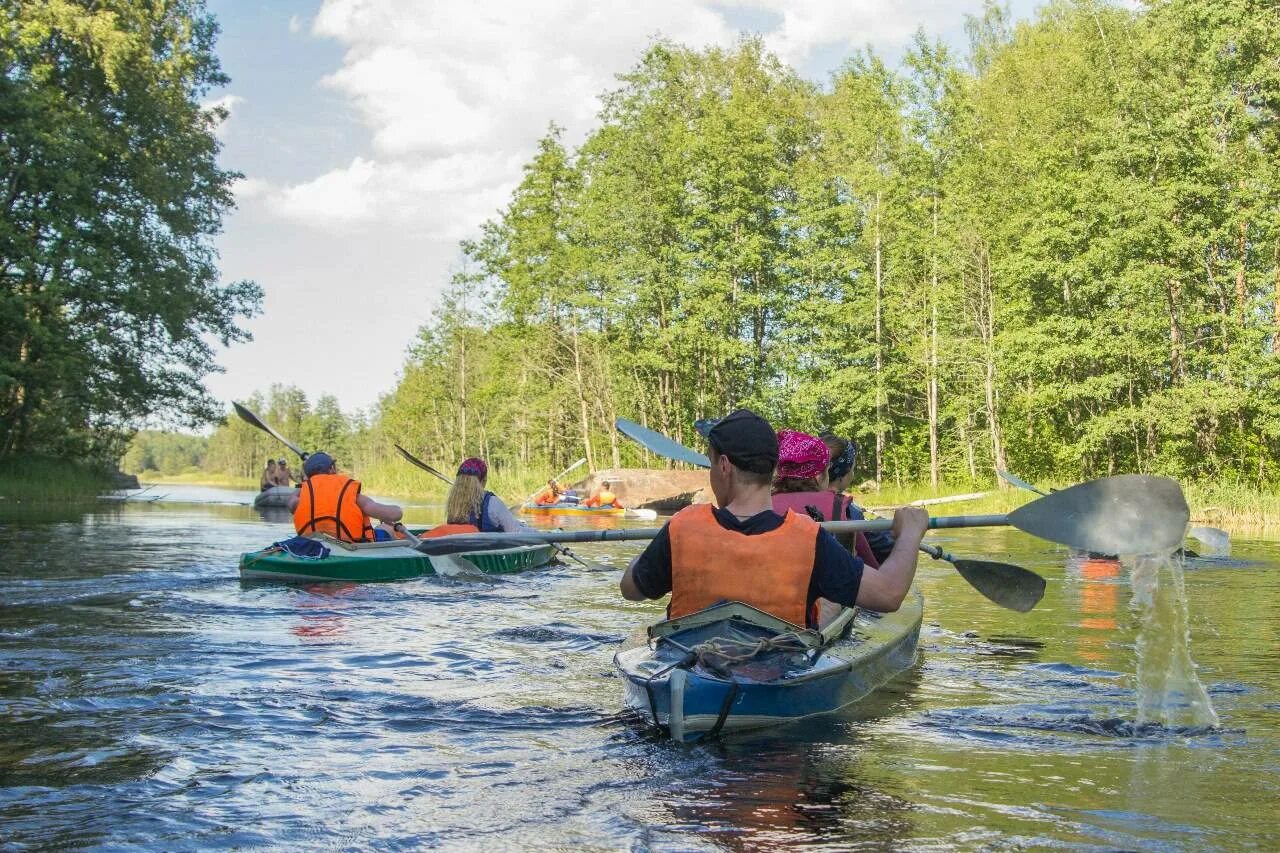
column 628, row 587
column 649, row 575
column 383, row 512
column 885, row 588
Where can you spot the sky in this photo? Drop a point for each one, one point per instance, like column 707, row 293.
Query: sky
column 374, row 135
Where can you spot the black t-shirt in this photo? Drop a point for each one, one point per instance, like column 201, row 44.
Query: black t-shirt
column 837, row 574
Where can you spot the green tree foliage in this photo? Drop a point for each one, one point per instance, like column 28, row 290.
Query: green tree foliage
column 1060, row 254
column 165, row 452
column 110, row 193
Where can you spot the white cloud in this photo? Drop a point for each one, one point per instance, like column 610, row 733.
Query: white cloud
column 295, row 24
column 226, row 102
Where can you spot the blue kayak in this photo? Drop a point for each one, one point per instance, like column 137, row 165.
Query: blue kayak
column 732, row 667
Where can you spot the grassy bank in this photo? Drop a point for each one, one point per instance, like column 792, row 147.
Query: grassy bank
column 198, row 477
column 400, row 479
column 41, row 478
column 1232, row 506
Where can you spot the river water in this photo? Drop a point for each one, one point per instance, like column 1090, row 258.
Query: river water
column 149, row 698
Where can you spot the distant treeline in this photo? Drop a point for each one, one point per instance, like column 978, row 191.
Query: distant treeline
column 1059, row 253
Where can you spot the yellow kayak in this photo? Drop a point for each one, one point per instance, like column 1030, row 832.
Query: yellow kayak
column 587, row 511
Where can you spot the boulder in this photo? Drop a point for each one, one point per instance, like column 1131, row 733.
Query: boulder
column 661, row 489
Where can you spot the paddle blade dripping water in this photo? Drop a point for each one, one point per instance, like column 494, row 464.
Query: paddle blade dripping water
column 1169, row 690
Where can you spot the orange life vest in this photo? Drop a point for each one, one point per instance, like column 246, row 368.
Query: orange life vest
column 449, row 530
column 602, row 498
column 546, row 497
column 327, row 504
column 770, row 571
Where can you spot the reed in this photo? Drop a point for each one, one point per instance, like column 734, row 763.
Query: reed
column 45, row 479
column 198, row 477
column 512, row 483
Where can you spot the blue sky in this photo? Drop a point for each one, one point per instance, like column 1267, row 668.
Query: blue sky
column 375, row 134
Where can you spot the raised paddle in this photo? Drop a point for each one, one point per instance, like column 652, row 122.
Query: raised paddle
column 1128, row 514
column 1019, row 482
column 253, row 420
column 557, row 478
column 1006, row 584
column 424, row 466
column 660, row 444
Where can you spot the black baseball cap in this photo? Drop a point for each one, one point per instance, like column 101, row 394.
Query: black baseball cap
column 745, row 437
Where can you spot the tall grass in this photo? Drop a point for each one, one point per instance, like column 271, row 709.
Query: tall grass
column 41, row 478
column 198, row 477
column 512, row 483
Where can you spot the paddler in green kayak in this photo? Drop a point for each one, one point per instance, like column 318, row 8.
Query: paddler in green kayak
column 329, row 502
column 741, row 550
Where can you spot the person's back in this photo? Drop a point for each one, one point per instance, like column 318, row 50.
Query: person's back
column 744, row 551
column 331, row 503
column 471, row 508
column 603, row 497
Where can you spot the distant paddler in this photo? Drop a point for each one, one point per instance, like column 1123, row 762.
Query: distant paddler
column 551, row 493
column 268, row 478
column 839, row 478
column 741, row 550
column 471, row 508
column 329, row 502
column 603, row 497
column 284, row 477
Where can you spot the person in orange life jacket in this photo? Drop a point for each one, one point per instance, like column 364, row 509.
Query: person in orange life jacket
column 840, row 478
column 550, row 494
column 471, row 508
column 329, row 502
column 744, row 551
column 603, row 496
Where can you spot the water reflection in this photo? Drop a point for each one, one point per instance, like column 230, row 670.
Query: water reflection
column 150, row 699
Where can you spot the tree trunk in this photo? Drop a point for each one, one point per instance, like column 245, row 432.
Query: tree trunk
column 583, row 410
column 934, row 464
column 880, row 352
column 1177, row 367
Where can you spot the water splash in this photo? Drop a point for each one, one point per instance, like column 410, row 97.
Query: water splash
column 1169, row 691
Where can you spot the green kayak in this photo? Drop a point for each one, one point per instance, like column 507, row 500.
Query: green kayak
column 393, row 561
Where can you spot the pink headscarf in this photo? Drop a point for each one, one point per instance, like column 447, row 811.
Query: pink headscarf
column 800, row 455
column 474, row 466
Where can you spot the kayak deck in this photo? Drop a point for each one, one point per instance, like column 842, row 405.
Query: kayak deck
column 672, row 682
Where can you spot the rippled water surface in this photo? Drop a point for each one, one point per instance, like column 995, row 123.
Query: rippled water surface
column 148, row 697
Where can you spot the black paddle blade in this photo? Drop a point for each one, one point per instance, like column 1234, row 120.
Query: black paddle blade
column 253, row 420
column 248, row 416
column 413, row 460
column 1129, row 514
column 658, row 443
column 1009, row 586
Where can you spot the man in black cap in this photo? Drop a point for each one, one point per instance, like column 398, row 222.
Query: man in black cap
column 742, row 550
column 329, row 502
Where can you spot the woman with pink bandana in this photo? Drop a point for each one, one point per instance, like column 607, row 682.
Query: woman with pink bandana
column 800, row 485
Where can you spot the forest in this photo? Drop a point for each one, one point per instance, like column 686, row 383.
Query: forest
column 1058, row 253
